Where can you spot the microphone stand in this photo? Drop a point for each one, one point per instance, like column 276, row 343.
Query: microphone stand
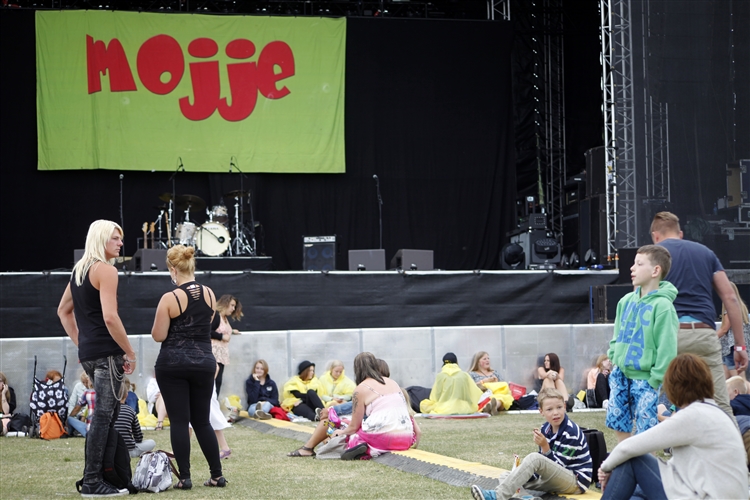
column 240, row 241
column 380, row 209
column 174, row 193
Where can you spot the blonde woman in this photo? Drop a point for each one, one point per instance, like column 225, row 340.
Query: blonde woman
column 487, row 378
column 88, row 313
column 228, row 307
column 7, row 402
column 337, row 386
column 726, row 336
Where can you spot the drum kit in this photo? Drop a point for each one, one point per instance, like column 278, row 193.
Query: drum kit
column 213, row 237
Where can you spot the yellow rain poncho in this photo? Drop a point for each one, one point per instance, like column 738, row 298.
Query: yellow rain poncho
column 295, row 383
column 454, row 393
column 501, row 392
column 341, row 388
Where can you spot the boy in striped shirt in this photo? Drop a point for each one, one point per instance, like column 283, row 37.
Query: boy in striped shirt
column 563, row 464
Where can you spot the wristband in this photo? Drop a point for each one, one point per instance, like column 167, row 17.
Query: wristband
column 740, row 348
column 130, row 360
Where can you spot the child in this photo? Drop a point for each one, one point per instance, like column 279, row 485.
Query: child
column 130, row 430
column 643, row 345
column 563, row 464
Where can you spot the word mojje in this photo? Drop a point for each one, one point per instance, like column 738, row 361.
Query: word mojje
column 162, row 55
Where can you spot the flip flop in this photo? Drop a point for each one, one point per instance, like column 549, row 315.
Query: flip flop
column 296, row 452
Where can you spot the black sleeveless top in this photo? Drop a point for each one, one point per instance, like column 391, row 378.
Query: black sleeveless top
column 188, row 342
column 94, row 339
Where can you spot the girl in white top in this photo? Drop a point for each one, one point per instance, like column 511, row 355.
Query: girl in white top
column 708, row 456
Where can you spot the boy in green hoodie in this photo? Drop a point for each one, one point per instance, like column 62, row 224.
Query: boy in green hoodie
column 644, row 343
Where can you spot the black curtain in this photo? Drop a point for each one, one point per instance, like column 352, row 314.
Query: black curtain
column 428, row 110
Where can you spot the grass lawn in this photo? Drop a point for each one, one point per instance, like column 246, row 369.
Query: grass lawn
column 259, row 468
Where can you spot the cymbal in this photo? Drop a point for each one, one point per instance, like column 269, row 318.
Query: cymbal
column 165, row 197
column 190, row 202
column 235, row 194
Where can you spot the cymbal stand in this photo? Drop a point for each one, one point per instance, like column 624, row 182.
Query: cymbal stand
column 158, row 224
column 254, row 246
column 240, row 243
column 180, row 167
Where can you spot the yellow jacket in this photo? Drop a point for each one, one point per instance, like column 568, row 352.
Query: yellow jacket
column 295, row 383
column 341, row 388
column 454, row 393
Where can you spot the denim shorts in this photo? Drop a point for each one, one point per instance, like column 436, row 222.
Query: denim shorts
column 729, row 359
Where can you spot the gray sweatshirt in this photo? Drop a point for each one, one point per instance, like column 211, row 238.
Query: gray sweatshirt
column 708, row 456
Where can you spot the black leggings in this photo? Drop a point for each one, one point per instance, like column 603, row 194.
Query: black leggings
column 310, row 401
column 187, row 396
column 219, row 378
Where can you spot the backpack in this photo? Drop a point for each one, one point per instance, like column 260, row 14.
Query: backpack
column 116, row 463
column 50, row 426
column 154, row 472
column 18, row 421
column 597, row 450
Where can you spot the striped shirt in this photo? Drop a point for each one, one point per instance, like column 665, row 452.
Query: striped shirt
column 128, row 427
column 569, row 448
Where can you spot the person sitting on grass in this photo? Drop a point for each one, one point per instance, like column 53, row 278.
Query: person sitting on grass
column 490, row 379
column 346, row 408
column 551, row 374
column 302, row 392
column 454, row 392
column 128, row 427
column 643, row 344
column 337, row 386
column 708, row 456
column 262, row 393
column 563, row 464
column 87, row 400
column 380, row 419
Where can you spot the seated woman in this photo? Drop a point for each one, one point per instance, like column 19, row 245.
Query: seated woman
column 552, row 374
column 302, row 392
column 597, row 382
column 337, row 387
column 346, row 408
column 7, row 402
column 490, row 379
column 156, row 403
column 454, row 392
column 708, row 456
column 262, row 393
column 380, row 420
column 87, row 400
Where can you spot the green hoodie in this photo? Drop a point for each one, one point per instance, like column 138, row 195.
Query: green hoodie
column 645, row 339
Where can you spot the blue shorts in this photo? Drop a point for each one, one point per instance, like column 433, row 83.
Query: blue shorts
column 630, row 400
column 729, row 359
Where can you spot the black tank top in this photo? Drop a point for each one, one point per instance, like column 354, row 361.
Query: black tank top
column 94, row 340
column 188, row 342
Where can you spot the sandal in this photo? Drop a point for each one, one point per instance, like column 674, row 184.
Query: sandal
column 216, row 483
column 296, row 453
column 184, row 484
column 159, row 425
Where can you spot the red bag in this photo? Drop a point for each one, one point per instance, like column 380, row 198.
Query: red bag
column 518, row 391
column 278, row 412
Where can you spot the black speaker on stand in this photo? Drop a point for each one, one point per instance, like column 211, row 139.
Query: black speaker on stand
column 319, row 253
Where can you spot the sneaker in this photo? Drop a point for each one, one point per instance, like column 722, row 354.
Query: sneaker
column 101, row 489
column 317, row 414
column 355, row 453
column 480, row 494
column 261, row 415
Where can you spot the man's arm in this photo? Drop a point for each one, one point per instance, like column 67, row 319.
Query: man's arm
column 729, row 298
column 67, row 318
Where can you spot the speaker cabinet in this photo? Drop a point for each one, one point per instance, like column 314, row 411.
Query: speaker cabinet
column 150, row 259
column 421, row 260
column 319, row 253
column 596, row 171
column 593, row 227
column 369, row 260
column 604, row 299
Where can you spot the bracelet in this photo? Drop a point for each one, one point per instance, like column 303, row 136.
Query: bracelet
column 740, row 348
column 130, row 360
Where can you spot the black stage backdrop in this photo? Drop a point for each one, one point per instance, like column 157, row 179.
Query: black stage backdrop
column 428, row 109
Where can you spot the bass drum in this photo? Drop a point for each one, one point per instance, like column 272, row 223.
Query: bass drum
column 213, row 239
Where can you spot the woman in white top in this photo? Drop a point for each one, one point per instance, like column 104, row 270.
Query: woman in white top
column 708, row 456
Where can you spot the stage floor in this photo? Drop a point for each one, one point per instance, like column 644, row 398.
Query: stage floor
column 339, row 299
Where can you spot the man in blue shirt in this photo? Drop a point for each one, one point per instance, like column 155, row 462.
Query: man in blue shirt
column 695, row 271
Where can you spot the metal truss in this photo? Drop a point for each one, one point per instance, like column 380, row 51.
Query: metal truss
column 619, row 129
column 498, row 9
column 657, row 149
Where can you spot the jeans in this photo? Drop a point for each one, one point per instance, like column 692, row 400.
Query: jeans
column 343, row 408
column 143, row 447
column 640, row 471
column 264, row 405
column 78, row 425
column 552, row 477
column 107, row 387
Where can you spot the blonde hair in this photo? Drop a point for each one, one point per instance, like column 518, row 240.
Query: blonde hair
column 100, row 231
column 182, row 259
column 475, row 361
column 333, row 364
column 743, row 306
column 665, row 223
column 223, row 303
column 549, row 393
column 737, row 383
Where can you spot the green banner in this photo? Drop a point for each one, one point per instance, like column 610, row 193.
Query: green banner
column 137, row 91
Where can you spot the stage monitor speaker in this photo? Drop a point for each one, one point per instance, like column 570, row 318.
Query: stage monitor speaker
column 319, row 253
column 625, row 260
column 421, row 260
column 596, row 171
column 77, row 254
column 604, row 299
column 150, row 259
column 367, row 260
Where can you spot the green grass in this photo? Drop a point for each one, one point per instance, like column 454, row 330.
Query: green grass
column 259, row 468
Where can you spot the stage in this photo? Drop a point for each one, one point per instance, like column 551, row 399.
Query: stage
column 339, row 299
